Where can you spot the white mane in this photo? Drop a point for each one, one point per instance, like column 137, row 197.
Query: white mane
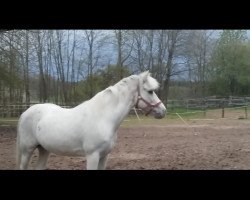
column 118, row 87
column 110, row 94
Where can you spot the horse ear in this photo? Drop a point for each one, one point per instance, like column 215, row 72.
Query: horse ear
column 144, row 76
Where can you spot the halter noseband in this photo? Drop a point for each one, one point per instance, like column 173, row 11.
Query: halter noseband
column 149, row 105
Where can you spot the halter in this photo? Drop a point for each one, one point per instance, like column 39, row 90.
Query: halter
column 149, row 105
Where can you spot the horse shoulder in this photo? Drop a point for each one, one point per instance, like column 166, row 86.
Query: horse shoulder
column 101, row 138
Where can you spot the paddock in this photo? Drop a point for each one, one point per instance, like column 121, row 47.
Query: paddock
column 167, row 144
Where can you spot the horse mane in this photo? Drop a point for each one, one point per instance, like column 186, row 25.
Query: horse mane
column 149, row 83
column 110, row 93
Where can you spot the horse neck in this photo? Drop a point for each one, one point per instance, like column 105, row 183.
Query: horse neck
column 112, row 105
column 126, row 99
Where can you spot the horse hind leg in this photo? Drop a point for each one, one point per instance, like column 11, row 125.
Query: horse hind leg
column 25, row 157
column 42, row 159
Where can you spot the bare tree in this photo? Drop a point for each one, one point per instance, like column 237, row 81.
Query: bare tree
column 166, row 66
column 124, row 46
column 24, row 54
column 61, row 85
column 149, row 49
column 38, row 37
column 11, row 65
column 73, row 66
column 171, row 47
column 198, row 49
column 139, row 53
column 65, row 65
column 91, row 37
column 94, row 42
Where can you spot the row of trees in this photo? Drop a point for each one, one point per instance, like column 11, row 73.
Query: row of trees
column 70, row 66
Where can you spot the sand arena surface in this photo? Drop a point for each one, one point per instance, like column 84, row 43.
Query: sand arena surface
column 203, row 144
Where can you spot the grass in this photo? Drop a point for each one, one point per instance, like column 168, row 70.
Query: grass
column 173, row 118
column 9, row 121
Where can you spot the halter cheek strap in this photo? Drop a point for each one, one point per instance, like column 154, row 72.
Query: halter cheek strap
column 149, row 105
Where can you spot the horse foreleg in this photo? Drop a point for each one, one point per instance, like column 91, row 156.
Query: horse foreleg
column 92, row 161
column 43, row 158
column 103, row 162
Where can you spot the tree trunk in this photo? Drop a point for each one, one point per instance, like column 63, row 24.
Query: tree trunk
column 119, row 57
column 42, row 80
column 26, row 72
column 172, row 39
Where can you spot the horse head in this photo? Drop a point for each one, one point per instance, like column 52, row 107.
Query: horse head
column 147, row 100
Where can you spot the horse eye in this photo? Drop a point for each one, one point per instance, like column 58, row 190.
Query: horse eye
column 150, row 92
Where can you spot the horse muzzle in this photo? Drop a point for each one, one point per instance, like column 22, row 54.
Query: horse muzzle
column 159, row 114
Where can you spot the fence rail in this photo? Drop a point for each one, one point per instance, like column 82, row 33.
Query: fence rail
column 15, row 110
column 209, row 103
column 205, row 104
column 174, row 106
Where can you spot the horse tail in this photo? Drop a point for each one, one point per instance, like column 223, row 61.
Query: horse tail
column 18, row 153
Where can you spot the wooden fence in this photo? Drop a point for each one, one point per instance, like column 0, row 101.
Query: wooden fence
column 205, row 104
column 187, row 105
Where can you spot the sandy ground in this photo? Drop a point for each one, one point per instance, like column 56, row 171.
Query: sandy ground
column 202, row 144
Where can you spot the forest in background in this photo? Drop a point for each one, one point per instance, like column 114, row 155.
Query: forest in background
column 70, row 66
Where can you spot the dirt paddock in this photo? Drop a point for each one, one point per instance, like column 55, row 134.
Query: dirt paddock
column 202, row 144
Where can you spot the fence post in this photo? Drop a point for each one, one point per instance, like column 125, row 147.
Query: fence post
column 187, row 105
column 222, row 110
column 204, row 107
column 172, row 106
column 245, row 108
column 4, row 107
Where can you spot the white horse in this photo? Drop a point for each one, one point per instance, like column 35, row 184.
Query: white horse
column 89, row 129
